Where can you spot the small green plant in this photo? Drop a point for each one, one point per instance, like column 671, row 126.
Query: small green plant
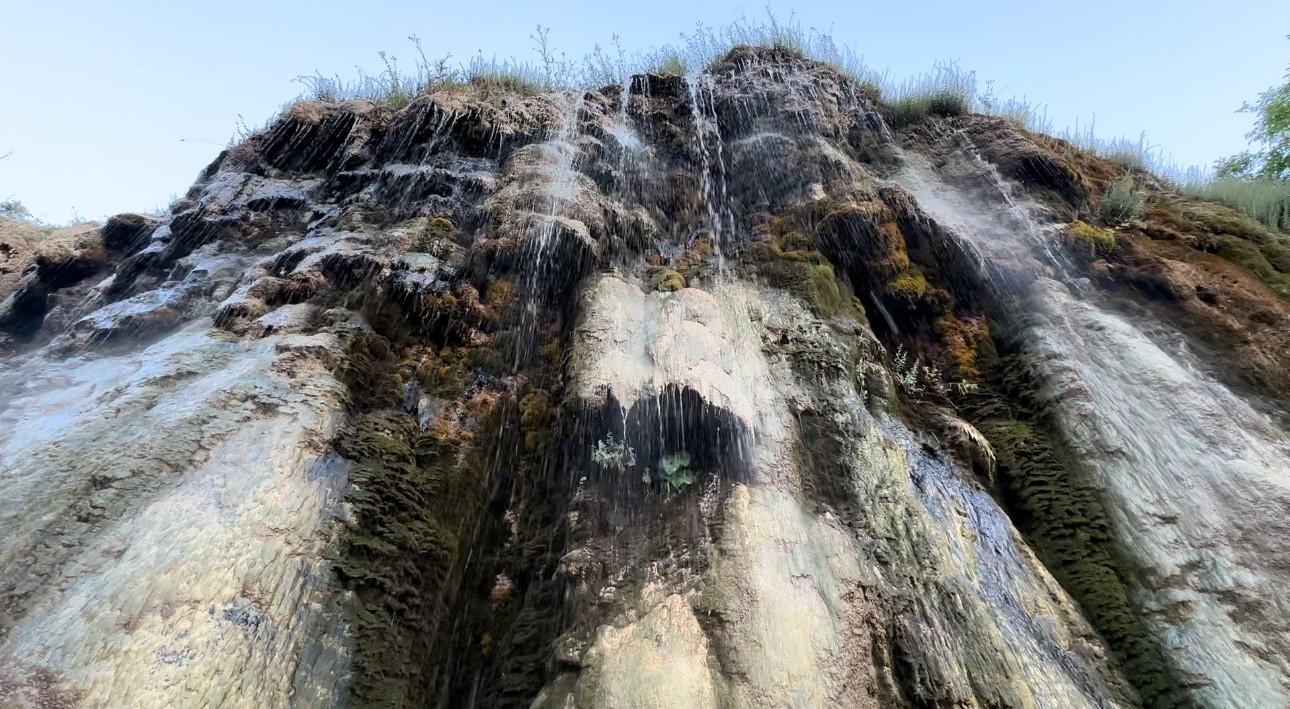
column 1122, row 202
column 672, row 63
column 673, row 471
column 907, row 372
column 613, row 455
column 917, row 379
column 946, row 91
column 676, row 471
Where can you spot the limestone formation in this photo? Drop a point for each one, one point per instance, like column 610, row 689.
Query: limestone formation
column 725, row 390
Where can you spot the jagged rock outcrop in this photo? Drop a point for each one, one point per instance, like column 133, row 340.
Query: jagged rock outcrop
column 694, row 391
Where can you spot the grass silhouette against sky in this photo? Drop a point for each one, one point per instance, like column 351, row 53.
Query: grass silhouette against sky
column 117, row 108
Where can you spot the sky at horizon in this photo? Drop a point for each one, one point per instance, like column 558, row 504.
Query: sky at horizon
column 116, row 106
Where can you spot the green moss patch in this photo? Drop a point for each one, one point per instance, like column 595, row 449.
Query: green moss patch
column 1231, row 235
column 806, row 274
column 1088, row 238
column 408, row 498
column 1060, row 514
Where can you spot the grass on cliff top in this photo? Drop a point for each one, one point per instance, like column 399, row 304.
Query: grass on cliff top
column 1265, row 200
column 946, row 90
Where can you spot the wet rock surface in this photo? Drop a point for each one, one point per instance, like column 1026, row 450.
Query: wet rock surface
column 696, row 391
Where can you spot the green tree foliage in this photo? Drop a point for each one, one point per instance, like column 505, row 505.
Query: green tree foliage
column 1271, row 133
column 13, row 209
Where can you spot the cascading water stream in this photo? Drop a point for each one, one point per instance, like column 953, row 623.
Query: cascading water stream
column 400, row 411
column 558, row 169
column 1195, row 479
column 716, row 198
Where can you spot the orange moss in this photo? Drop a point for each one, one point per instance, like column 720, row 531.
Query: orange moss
column 891, row 230
column 446, row 429
column 470, row 309
column 961, row 338
column 694, row 262
column 537, row 420
column 501, row 293
column 481, row 404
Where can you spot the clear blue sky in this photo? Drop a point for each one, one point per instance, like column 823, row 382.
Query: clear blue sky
column 98, row 95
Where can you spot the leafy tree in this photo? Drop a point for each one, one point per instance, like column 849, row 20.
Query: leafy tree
column 1271, row 132
column 13, row 209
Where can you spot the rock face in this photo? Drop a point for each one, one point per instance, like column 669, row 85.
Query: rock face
column 710, row 391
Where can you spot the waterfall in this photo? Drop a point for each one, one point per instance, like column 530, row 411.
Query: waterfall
column 701, row 391
column 1194, row 477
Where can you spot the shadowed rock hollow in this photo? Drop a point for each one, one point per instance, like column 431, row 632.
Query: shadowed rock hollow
column 707, row 391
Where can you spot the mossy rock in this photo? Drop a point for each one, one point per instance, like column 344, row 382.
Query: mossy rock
column 396, row 554
column 1253, row 259
column 909, row 285
column 815, row 283
column 665, row 279
column 442, row 373
column 695, row 262
column 500, row 294
column 369, row 371
column 433, row 234
column 788, row 262
column 1057, row 509
column 1087, row 237
column 1231, row 235
column 537, row 420
column 961, row 340
column 797, row 241
column 823, row 292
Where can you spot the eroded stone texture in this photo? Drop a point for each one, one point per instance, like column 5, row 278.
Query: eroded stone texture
column 709, row 391
column 170, row 510
column 818, row 603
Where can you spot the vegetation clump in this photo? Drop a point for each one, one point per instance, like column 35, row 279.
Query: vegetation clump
column 1264, row 199
column 665, row 279
column 1089, row 238
column 961, row 339
column 1256, row 182
column 1122, row 202
column 946, row 91
column 613, row 455
column 537, row 420
column 911, row 284
column 695, row 262
column 673, row 472
column 499, row 296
